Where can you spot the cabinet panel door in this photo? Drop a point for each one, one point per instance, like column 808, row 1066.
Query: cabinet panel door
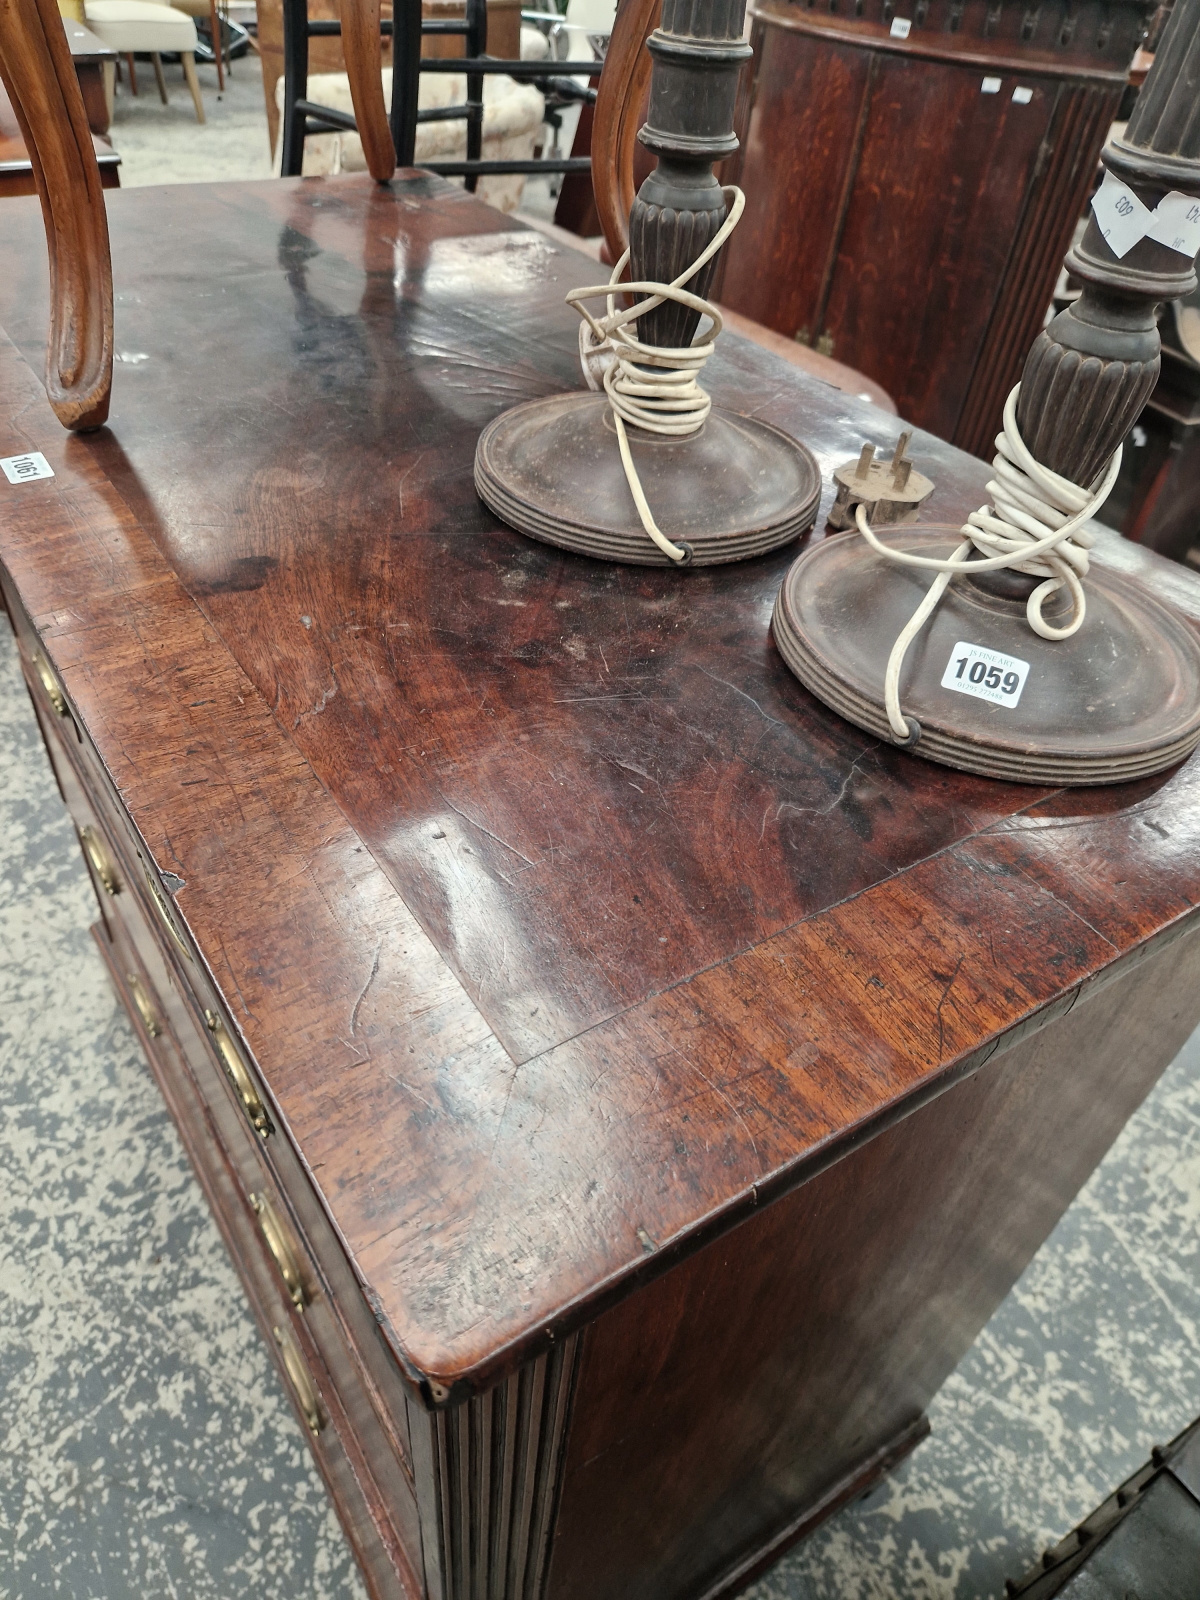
column 937, row 205
column 798, row 152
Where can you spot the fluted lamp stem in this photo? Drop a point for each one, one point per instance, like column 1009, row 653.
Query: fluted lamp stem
column 698, row 53
column 1000, row 649
column 1092, row 370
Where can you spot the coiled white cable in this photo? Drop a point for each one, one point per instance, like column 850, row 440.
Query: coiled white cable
column 648, row 386
column 1034, row 524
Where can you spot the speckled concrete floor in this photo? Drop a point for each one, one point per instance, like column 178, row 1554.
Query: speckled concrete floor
column 147, row 1451
column 165, row 144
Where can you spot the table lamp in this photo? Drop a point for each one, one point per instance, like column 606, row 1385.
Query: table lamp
column 641, row 467
column 995, row 648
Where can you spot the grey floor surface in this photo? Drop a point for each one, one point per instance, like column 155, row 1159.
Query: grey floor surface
column 146, row 1449
column 165, row 144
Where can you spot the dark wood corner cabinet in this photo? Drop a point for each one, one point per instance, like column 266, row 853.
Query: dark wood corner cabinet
column 914, row 170
column 625, row 1089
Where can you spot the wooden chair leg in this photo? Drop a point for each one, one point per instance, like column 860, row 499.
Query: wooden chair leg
column 218, row 43
column 193, row 83
column 158, row 75
column 39, row 74
column 108, row 76
column 132, row 72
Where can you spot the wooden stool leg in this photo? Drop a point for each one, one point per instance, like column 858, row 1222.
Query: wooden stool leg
column 189, row 72
column 218, row 50
column 132, row 72
column 158, row 74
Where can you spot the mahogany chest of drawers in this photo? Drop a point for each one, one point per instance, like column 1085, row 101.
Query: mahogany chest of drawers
column 625, row 1089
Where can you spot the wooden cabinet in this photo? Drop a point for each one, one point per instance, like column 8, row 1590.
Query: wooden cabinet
column 913, row 177
column 624, row 1088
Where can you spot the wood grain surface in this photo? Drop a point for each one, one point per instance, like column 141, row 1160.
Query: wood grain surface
column 717, row 1408
column 564, row 926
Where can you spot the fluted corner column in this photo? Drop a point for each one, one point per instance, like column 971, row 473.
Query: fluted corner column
column 698, row 52
column 1092, row 370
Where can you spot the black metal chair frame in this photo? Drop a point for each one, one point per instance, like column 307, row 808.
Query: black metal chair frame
column 302, row 116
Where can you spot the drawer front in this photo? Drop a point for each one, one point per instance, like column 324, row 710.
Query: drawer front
column 65, row 734
column 174, row 998
column 165, row 948
column 302, row 1334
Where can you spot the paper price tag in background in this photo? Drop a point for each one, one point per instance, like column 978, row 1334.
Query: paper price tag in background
column 1124, row 220
column 987, row 674
column 901, row 27
column 25, row 469
column 1176, row 223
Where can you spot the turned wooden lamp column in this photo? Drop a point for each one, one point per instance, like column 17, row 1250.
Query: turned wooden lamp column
column 724, row 487
column 1092, row 370
column 698, row 52
column 1115, row 694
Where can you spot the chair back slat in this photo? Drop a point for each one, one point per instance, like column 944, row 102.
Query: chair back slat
column 39, row 74
column 363, row 50
column 623, row 85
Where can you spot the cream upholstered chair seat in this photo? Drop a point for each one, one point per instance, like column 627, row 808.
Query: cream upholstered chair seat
column 207, row 8
column 140, row 27
column 512, row 117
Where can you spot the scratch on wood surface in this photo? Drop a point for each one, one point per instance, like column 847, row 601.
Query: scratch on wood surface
column 363, row 993
column 315, row 711
column 589, row 699
column 673, row 1049
column 724, row 682
column 400, row 1083
column 232, row 971
column 945, row 996
column 788, row 808
column 1072, row 911
column 487, row 831
column 404, row 476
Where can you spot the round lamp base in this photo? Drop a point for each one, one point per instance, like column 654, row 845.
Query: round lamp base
column 1118, row 700
column 552, row 469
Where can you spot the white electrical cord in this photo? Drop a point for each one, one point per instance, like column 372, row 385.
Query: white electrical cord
column 651, row 387
column 1034, row 524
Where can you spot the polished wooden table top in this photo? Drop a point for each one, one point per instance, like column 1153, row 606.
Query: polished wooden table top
column 564, row 925
column 15, row 164
column 85, row 45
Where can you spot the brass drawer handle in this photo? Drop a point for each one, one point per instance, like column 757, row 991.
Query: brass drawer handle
column 101, row 861
column 301, row 1380
column 239, row 1076
column 166, row 915
column 145, row 1006
column 284, row 1252
column 50, row 684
